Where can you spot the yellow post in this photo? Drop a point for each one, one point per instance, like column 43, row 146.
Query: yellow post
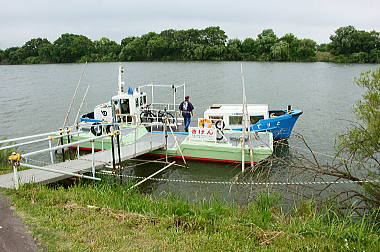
column 14, row 159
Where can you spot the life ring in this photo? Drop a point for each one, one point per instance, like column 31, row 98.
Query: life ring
column 205, row 123
column 220, row 125
column 97, row 129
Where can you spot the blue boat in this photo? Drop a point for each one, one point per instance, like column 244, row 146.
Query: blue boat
column 230, row 116
column 280, row 123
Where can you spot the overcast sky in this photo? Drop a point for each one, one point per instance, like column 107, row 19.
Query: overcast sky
column 116, row 19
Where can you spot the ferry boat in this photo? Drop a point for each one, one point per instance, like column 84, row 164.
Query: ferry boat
column 217, row 137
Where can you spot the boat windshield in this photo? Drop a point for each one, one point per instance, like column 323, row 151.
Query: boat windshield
column 255, row 119
column 124, row 106
column 236, row 120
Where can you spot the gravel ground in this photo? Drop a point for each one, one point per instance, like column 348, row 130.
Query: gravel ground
column 13, row 234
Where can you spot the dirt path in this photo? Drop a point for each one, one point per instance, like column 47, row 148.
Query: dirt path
column 13, row 235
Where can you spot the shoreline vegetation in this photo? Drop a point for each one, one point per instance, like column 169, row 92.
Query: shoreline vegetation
column 105, row 217
column 347, row 45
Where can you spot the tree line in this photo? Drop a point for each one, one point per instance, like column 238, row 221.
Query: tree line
column 211, row 43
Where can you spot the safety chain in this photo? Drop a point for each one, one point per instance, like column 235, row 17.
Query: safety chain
column 243, row 183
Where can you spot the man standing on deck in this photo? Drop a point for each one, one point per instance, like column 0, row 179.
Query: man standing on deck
column 187, row 111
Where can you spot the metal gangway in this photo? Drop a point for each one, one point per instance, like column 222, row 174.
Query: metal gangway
column 88, row 163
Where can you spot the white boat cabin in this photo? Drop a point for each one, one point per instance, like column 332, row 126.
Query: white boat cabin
column 126, row 106
column 230, row 116
column 131, row 106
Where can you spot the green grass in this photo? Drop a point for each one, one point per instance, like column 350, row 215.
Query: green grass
column 5, row 169
column 89, row 217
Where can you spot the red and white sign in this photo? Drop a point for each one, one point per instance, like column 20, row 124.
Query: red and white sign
column 202, row 134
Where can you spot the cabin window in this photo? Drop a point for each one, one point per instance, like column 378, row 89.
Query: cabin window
column 236, row 120
column 255, row 119
column 137, row 102
column 124, row 105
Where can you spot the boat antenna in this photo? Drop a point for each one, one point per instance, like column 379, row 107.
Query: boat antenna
column 245, row 125
column 73, row 98
column 81, row 104
column 121, row 83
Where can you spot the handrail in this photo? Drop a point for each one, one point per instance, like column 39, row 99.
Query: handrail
column 63, row 146
column 29, row 137
column 39, row 140
column 59, row 171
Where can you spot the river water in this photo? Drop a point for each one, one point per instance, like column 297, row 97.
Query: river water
column 35, row 98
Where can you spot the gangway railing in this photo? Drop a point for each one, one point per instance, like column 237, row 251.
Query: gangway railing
column 30, row 137
column 49, row 138
column 16, row 158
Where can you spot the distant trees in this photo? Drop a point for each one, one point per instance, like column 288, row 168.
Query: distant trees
column 72, row 47
column 351, row 45
column 211, row 43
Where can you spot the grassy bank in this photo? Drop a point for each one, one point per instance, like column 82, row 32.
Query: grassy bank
column 5, row 169
column 109, row 218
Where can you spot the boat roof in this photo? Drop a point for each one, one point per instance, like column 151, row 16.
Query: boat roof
column 237, row 108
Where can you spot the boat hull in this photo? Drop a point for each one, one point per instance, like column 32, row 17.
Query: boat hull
column 215, row 152
column 191, row 150
column 281, row 125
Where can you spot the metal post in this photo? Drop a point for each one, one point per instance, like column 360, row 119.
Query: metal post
column 174, row 91
column 177, row 144
column 113, row 154
column 151, row 144
column 184, row 91
column 78, row 154
column 152, row 93
column 51, row 152
column 166, row 136
column 244, row 121
column 63, row 149
column 103, row 132
column 68, row 141
column 15, row 176
column 93, row 157
column 118, row 148
column 15, row 159
column 135, row 141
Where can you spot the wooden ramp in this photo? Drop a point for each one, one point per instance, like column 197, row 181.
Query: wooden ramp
column 145, row 144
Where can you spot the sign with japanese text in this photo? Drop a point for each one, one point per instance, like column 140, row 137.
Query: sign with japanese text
column 202, row 134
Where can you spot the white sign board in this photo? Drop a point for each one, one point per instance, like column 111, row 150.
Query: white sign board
column 202, row 134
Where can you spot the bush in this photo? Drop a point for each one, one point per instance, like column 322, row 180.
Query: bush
column 4, row 154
